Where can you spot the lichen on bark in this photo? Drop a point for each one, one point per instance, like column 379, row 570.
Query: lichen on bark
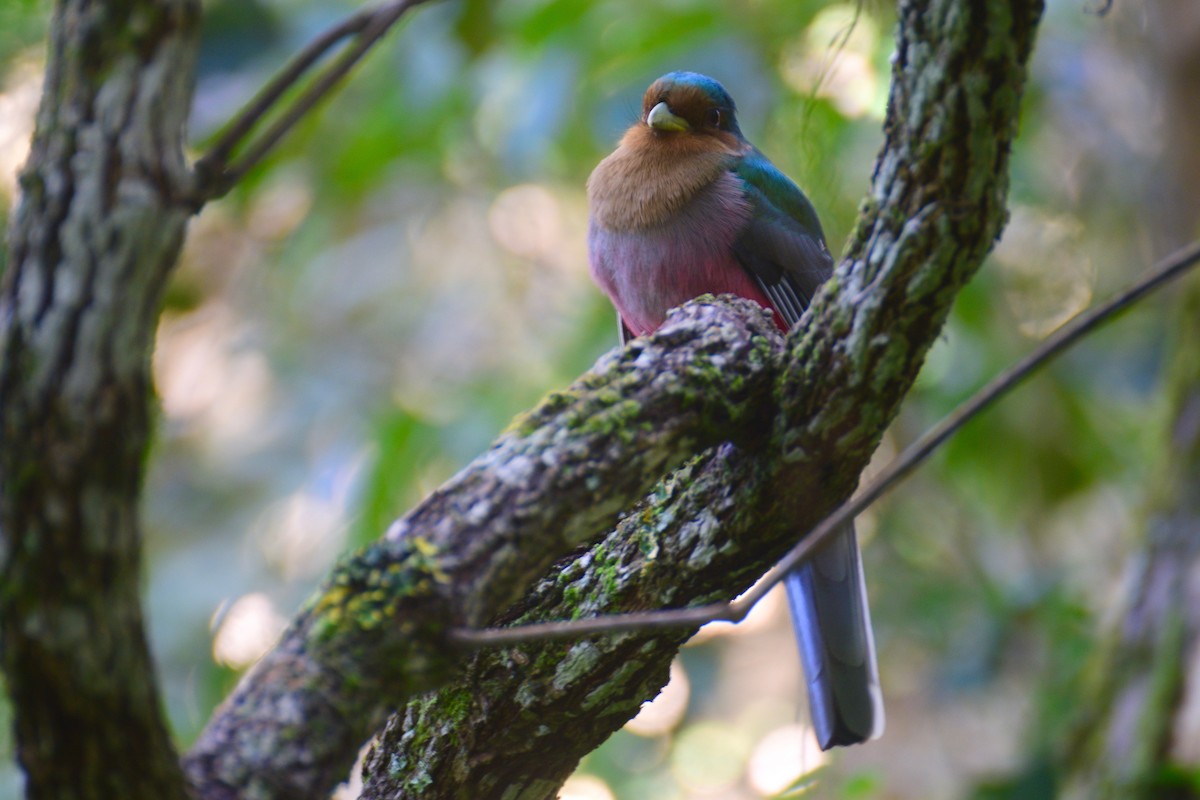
column 756, row 440
column 376, row 633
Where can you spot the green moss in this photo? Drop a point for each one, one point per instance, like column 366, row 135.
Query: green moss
column 370, row 587
column 647, row 545
column 454, row 704
column 613, row 694
column 607, row 575
column 892, row 363
column 579, row 660
column 551, row 405
column 419, row 782
column 616, row 419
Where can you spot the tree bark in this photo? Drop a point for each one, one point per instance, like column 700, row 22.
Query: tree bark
column 376, row 633
column 92, row 242
column 520, row 718
column 106, row 199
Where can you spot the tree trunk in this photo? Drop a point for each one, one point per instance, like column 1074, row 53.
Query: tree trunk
column 95, row 236
column 1141, row 738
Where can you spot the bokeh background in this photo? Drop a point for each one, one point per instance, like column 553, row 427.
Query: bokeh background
column 372, row 306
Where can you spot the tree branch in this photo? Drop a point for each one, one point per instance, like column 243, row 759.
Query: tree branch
column 376, row 632
column 214, row 174
column 895, row 472
column 523, row 716
column 801, row 423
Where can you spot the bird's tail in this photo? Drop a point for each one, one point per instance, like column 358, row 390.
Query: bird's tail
column 828, row 598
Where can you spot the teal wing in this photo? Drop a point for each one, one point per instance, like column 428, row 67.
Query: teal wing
column 783, row 246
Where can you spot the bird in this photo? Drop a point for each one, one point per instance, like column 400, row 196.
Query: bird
column 686, row 206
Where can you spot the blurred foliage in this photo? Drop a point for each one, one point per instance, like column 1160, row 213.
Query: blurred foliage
column 372, row 306
column 22, row 25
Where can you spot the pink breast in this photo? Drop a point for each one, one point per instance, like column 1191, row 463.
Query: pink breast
column 647, row 272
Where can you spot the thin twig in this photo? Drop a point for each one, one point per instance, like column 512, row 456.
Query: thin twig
column 215, row 175
column 1167, row 270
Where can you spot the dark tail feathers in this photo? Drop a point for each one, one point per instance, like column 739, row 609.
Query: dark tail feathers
column 828, row 598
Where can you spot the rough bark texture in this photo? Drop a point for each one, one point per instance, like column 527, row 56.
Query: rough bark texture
column 374, row 635
column 94, row 238
column 92, row 242
column 518, row 721
column 1139, row 736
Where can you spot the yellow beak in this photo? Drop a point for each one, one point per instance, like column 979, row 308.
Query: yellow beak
column 660, row 118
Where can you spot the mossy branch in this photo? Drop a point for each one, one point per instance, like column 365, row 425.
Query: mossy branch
column 521, row 717
column 377, row 631
column 783, row 436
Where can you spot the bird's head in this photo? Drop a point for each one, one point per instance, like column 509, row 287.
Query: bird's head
column 689, row 104
column 686, row 139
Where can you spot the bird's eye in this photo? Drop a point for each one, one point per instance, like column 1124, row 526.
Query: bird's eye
column 714, row 117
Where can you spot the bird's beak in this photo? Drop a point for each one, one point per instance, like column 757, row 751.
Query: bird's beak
column 660, row 118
